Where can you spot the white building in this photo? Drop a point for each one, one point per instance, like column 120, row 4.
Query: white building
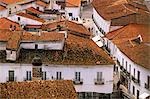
column 25, row 18
column 130, row 47
column 79, row 59
column 73, row 8
column 3, row 11
column 112, row 15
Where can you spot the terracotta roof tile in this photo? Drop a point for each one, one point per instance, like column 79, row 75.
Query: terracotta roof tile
column 46, row 36
column 58, row 89
column 5, row 35
column 2, row 8
column 69, row 25
column 6, row 23
column 10, row 1
column 41, row 3
column 77, row 51
column 130, row 31
column 73, row 3
column 14, row 41
column 124, row 39
column 33, row 10
column 112, row 9
column 31, row 17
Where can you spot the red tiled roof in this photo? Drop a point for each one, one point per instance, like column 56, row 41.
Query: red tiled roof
column 58, row 89
column 5, row 35
column 137, row 52
column 31, row 17
column 5, row 24
column 69, row 25
column 73, row 3
column 33, row 10
column 10, row 1
column 14, row 41
column 112, row 9
column 2, row 8
column 80, row 44
column 33, row 26
column 41, row 3
column 49, row 36
column 130, row 31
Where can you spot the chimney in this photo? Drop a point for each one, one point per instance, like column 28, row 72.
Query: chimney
column 36, row 68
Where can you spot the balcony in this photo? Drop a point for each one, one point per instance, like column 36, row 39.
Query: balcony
column 78, row 81
column 135, row 80
column 99, row 81
column 11, row 79
column 147, row 86
column 27, row 79
column 124, row 72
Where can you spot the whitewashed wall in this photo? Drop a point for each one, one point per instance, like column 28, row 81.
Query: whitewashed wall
column 115, row 52
column 11, row 55
column 88, row 74
column 104, row 24
column 74, row 10
column 3, row 13
column 43, row 45
column 19, row 71
column 24, row 20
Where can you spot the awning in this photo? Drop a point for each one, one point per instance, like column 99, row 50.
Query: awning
column 144, row 95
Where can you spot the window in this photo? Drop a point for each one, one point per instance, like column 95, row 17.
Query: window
column 11, row 75
column 28, row 75
column 138, row 76
column 77, row 76
column 18, row 18
column 122, row 61
column 9, row 10
column 126, row 65
column 133, row 90
column 134, row 72
column 70, row 14
column 148, row 81
column 130, row 68
column 138, row 93
column 44, row 75
column 36, row 46
column 37, row 8
column 99, row 76
column 58, row 76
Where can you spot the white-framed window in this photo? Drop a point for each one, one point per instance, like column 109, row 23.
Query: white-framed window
column 134, row 72
column 28, row 75
column 44, row 75
column 99, row 76
column 122, row 61
column 58, row 75
column 77, row 76
column 126, row 65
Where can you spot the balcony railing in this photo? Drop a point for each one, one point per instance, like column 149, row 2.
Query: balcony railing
column 147, row 87
column 124, row 72
column 9, row 79
column 27, row 79
column 99, row 81
column 78, row 81
column 135, row 80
